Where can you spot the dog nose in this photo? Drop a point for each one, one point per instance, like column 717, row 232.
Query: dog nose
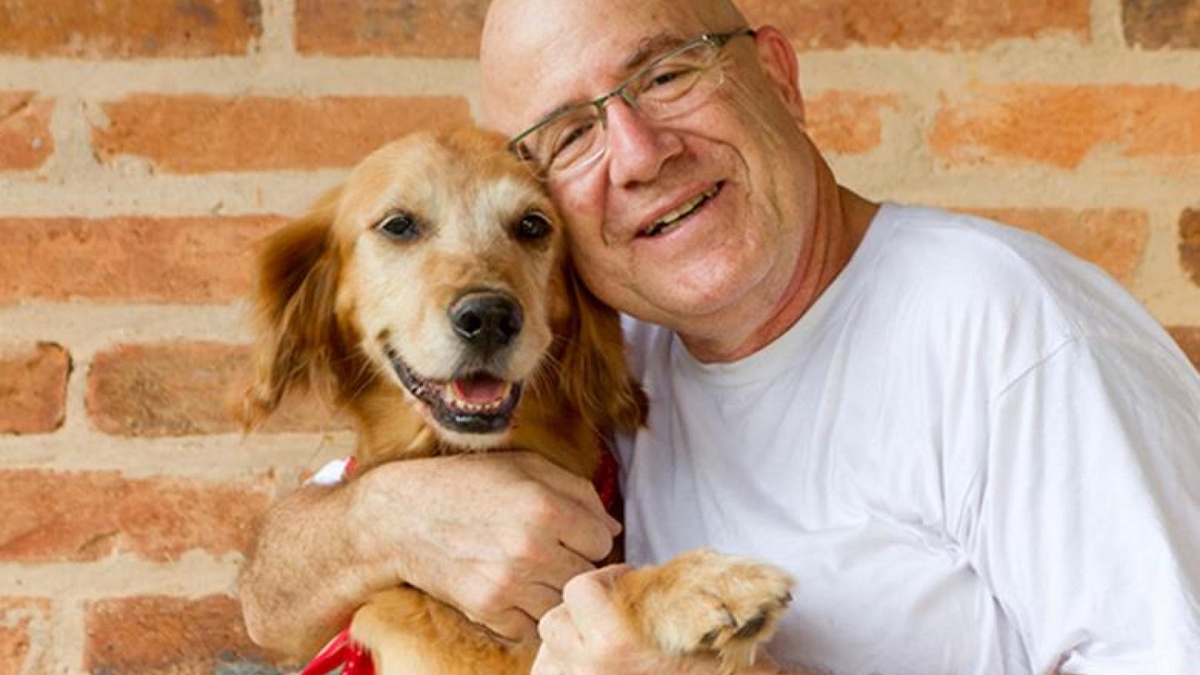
column 488, row 321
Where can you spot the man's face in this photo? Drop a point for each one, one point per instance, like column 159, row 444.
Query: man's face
column 680, row 221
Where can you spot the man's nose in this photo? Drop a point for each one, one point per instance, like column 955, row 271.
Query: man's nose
column 637, row 146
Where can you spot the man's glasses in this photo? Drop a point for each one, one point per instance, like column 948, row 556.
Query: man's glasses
column 673, row 84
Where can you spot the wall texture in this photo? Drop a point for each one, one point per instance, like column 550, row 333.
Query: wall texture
column 144, row 145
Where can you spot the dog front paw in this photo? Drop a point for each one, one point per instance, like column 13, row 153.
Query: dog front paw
column 704, row 601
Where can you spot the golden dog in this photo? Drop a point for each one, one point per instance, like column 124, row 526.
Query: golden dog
column 431, row 297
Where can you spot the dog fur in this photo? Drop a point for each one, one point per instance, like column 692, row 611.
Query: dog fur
column 372, row 300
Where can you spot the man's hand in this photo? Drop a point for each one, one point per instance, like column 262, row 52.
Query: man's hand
column 497, row 535
column 588, row 635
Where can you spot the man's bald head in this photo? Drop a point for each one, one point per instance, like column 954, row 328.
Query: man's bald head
column 531, row 48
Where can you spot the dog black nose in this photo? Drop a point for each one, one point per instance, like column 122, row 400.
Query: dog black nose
column 488, row 321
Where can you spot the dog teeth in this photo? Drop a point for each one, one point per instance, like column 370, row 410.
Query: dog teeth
column 451, row 396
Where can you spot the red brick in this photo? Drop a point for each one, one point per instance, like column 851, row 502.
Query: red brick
column 1060, row 125
column 25, row 138
column 164, row 390
column 1189, row 243
column 431, row 28
column 1159, row 24
column 846, row 122
column 140, row 259
column 72, row 516
column 128, row 28
column 200, row 133
column 23, row 635
column 1114, row 239
column 1188, row 338
column 938, row 24
column 33, row 388
column 161, row 635
column 185, row 389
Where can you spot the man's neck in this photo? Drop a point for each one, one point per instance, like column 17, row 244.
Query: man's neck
column 841, row 223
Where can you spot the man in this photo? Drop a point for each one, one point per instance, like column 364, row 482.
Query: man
column 975, row 453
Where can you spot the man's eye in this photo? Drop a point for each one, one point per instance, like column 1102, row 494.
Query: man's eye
column 668, row 78
column 571, row 136
column 662, row 79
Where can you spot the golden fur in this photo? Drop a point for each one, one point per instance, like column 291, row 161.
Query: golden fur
column 369, row 289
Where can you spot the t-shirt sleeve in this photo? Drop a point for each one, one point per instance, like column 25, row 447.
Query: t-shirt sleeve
column 1087, row 519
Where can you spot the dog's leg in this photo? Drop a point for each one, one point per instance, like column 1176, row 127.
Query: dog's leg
column 410, row 633
column 706, row 602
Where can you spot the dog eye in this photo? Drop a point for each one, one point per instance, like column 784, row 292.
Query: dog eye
column 532, row 227
column 400, row 226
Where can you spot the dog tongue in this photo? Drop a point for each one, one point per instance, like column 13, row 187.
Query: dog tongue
column 480, row 389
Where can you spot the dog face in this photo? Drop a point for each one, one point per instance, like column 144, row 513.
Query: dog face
column 450, row 258
column 437, row 270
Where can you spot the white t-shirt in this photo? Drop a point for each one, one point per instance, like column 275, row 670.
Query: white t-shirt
column 976, row 453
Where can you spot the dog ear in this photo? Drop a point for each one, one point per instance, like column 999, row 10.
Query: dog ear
column 595, row 374
column 298, row 341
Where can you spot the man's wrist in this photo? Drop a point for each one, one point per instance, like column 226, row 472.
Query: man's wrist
column 374, row 566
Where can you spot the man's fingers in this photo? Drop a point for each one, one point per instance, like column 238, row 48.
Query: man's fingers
column 546, row 664
column 559, row 637
column 588, row 590
column 512, row 624
column 539, row 599
column 588, row 599
column 580, row 532
column 579, row 490
column 558, row 632
column 607, row 576
column 569, row 566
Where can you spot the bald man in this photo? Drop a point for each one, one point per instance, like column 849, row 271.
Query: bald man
column 975, row 453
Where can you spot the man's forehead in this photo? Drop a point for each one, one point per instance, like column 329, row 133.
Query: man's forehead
column 526, row 83
column 650, row 47
column 581, row 50
column 644, row 52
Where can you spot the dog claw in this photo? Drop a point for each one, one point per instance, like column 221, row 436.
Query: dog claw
column 710, row 638
column 752, row 627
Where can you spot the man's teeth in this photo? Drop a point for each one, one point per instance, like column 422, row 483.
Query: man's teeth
column 684, row 210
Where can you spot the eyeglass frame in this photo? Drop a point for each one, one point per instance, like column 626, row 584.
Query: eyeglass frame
column 717, row 40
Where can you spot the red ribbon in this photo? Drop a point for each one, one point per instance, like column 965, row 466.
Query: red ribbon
column 341, row 652
column 608, row 485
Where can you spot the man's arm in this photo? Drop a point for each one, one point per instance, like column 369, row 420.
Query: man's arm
column 296, row 587
column 497, row 535
column 1083, row 524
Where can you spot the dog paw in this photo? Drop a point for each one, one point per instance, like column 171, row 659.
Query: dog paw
column 707, row 602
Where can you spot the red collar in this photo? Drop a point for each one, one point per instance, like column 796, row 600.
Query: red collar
column 341, row 652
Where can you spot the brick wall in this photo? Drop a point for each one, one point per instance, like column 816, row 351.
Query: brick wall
column 145, row 145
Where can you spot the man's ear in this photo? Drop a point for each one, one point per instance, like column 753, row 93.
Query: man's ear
column 779, row 62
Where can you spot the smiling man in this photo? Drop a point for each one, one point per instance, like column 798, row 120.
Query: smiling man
column 976, row 454
column 939, row 425
column 698, row 230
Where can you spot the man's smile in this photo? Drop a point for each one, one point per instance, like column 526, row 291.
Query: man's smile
column 667, row 221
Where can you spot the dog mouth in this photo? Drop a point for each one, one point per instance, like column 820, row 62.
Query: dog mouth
column 474, row 403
